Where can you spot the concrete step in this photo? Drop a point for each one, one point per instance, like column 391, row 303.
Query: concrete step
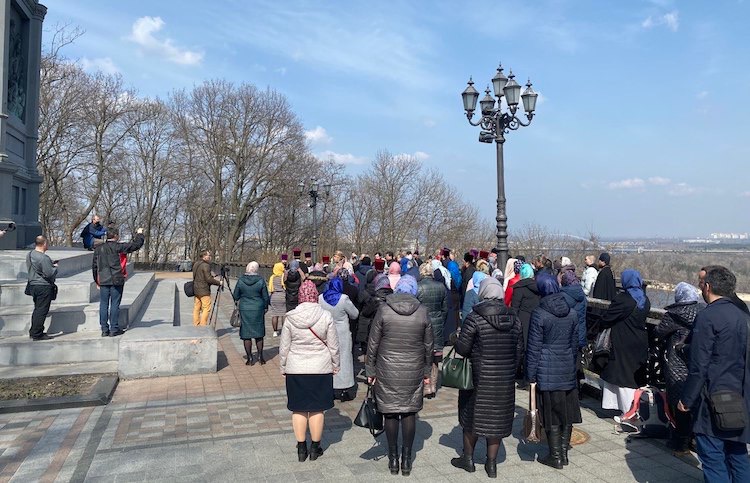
column 76, row 289
column 12, row 372
column 82, row 317
column 159, row 306
column 71, row 262
column 64, row 349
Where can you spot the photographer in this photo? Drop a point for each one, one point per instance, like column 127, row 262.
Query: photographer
column 202, row 281
column 108, row 267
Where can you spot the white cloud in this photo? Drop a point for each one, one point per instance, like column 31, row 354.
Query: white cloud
column 102, row 64
column 318, row 136
column 418, row 155
column 745, row 194
column 142, row 34
column 630, row 183
column 683, row 189
column 659, row 181
column 341, row 158
column 671, row 20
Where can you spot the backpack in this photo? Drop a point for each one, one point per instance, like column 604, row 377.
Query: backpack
column 649, row 415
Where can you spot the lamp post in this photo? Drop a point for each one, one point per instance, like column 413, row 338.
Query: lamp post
column 314, row 191
column 495, row 123
column 231, row 219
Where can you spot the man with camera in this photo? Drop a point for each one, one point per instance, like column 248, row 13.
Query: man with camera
column 41, row 286
column 202, row 281
column 108, row 267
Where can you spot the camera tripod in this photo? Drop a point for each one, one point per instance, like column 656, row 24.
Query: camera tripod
column 224, row 280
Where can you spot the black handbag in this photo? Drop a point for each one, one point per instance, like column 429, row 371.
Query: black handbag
column 234, row 319
column 456, row 371
column 368, row 416
column 603, row 344
column 189, row 289
column 727, row 407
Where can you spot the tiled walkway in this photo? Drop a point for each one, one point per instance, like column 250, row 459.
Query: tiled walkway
column 234, row 426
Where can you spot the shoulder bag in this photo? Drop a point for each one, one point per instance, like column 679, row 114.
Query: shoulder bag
column 318, row 337
column 235, row 320
column 727, row 407
column 368, row 416
column 456, row 371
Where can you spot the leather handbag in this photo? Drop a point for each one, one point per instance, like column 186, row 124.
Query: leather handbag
column 457, row 371
column 532, row 422
column 234, row 320
column 368, row 416
column 603, row 344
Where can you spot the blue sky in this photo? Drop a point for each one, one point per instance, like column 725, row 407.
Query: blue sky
column 641, row 128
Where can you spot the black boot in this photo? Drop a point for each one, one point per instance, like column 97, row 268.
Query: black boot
column 491, row 468
column 405, row 461
column 465, row 462
column 393, row 459
column 315, row 450
column 567, row 432
column 302, row 451
column 554, row 440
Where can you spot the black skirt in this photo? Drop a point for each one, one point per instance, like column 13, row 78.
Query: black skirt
column 309, row 392
column 559, row 408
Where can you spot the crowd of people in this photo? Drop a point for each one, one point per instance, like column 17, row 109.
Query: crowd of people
column 522, row 324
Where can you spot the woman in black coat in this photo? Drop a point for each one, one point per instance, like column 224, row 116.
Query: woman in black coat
column 293, row 278
column 626, row 316
column 399, row 361
column 434, row 296
column 377, row 289
column 525, row 299
column 551, row 364
column 674, row 328
column 491, row 337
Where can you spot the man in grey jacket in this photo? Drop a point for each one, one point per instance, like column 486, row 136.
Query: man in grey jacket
column 41, row 272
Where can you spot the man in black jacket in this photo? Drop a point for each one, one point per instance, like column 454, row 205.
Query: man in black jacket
column 108, row 267
column 718, row 362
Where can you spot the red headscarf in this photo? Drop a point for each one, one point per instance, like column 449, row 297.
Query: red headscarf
column 308, row 292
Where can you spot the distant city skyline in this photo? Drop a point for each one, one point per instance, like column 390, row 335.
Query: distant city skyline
column 640, row 128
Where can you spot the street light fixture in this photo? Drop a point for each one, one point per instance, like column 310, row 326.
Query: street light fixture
column 495, row 123
column 315, row 192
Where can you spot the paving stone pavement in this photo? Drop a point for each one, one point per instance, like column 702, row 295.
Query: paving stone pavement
column 234, row 426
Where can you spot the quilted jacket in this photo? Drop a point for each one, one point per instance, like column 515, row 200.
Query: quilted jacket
column 434, row 296
column 491, row 337
column 553, row 345
column 576, row 300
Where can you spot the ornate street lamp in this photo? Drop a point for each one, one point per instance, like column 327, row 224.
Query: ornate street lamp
column 315, row 192
column 495, row 123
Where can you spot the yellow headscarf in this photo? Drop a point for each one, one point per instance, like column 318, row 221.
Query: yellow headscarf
column 278, row 271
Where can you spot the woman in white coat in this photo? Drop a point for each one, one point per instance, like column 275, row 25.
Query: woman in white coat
column 342, row 309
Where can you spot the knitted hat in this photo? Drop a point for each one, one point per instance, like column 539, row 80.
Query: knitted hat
column 605, row 258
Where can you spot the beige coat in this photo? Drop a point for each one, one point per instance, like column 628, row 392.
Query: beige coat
column 301, row 352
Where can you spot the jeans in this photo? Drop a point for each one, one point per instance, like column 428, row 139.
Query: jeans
column 723, row 461
column 42, row 296
column 109, row 307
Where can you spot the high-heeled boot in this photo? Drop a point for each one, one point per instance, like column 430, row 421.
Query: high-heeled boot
column 315, row 450
column 554, row 440
column 302, row 451
column 393, row 459
column 405, row 461
column 566, row 434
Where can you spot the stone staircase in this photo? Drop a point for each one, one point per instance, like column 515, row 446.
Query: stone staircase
column 155, row 343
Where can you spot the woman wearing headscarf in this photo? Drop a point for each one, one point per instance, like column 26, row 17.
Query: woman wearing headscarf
column 277, row 289
column 399, row 362
column 512, row 277
column 573, row 291
column 472, row 294
column 440, row 273
column 434, row 296
column 674, row 328
column 626, row 316
column 394, row 274
column 252, row 297
column 372, row 298
column 491, row 338
column 351, row 290
column 483, row 266
column 525, row 299
column 309, row 358
column 551, row 357
column 341, row 308
column 292, row 281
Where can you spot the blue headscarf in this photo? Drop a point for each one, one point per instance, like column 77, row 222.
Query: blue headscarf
column 631, row 281
column 685, row 293
column 334, row 291
column 477, row 279
column 547, row 285
column 527, row 271
column 407, row 284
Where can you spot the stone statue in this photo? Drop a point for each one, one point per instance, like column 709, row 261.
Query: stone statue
column 16, row 72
